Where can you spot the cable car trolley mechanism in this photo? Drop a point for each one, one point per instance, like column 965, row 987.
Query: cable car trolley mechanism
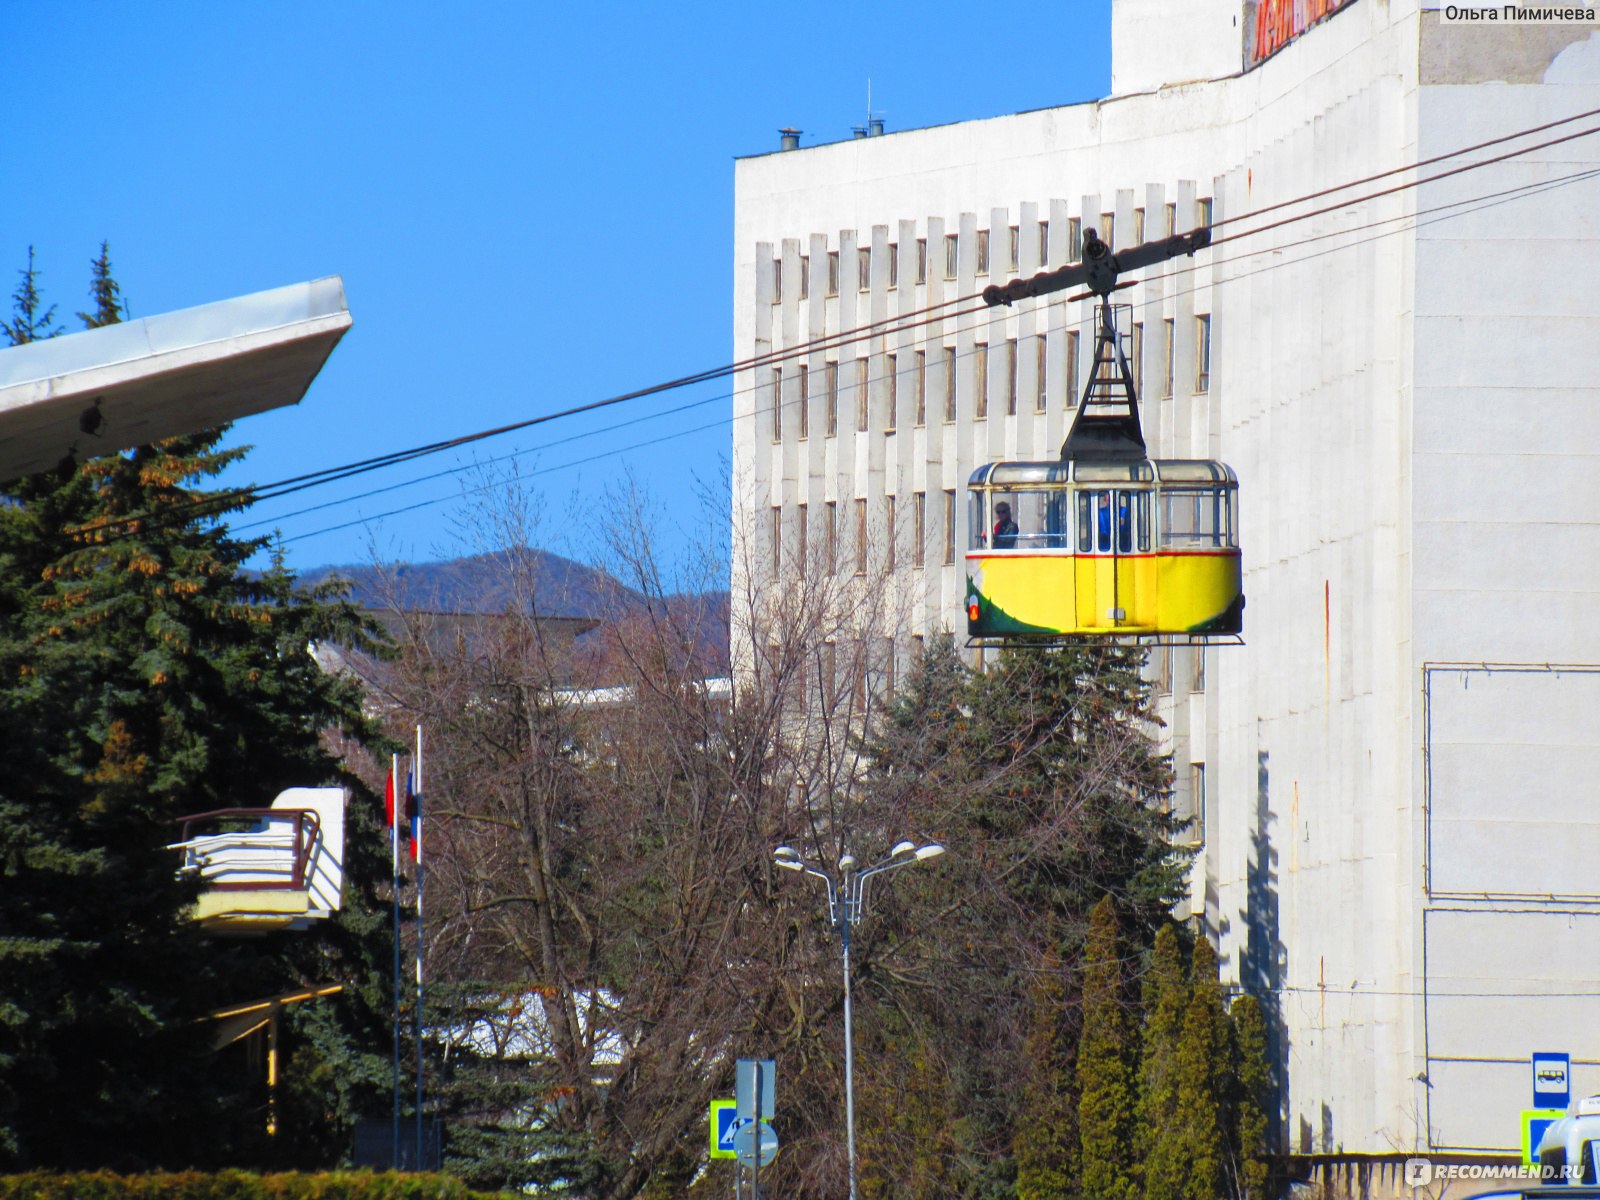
column 1104, row 543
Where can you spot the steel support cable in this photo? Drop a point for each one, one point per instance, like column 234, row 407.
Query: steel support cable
column 1426, row 162
column 223, row 501
column 1513, row 193
column 1480, row 203
column 1477, row 164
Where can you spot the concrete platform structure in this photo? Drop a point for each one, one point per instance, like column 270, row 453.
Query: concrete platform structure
column 125, row 385
column 1393, row 783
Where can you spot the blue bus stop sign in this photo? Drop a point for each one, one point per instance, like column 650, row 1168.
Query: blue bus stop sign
column 1552, row 1080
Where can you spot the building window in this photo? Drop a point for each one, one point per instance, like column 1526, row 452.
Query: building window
column 919, row 529
column 833, row 272
column 922, row 260
column 800, row 538
column 949, row 383
column 777, row 404
column 1041, row 397
column 1164, row 671
column 1202, row 353
column 921, row 386
column 1044, row 243
column 1172, row 219
column 832, row 535
column 1072, row 368
column 951, row 257
column 777, row 540
column 894, row 265
column 893, row 390
column 1138, row 227
column 805, row 401
column 1011, row 377
column 1074, row 239
column 1168, row 355
column 1197, row 804
column 864, row 268
column 888, row 669
column 918, row 647
column 831, row 380
column 949, row 526
column 861, row 536
column 805, row 276
column 889, row 530
column 1138, row 358
column 983, row 252
column 858, row 675
column 980, row 358
column 1014, row 248
column 1203, row 211
column 777, row 281
column 861, row 395
column 1108, row 227
column 1197, row 657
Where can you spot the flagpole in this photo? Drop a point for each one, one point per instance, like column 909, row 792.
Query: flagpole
column 394, row 891
column 416, row 852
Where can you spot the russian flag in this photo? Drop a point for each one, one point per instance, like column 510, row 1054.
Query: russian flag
column 414, row 816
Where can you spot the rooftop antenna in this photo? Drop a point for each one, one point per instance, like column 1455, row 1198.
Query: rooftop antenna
column 874, row 123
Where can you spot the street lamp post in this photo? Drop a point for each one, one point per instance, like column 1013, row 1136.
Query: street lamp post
column 847, row 902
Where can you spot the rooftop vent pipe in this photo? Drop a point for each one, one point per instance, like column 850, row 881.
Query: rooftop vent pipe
column 858, row 131
column 875, row 125
column 791, row 139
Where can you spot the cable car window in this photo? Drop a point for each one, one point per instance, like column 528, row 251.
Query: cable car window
column 977, row 521
column 1142, row 513
column 1085, row 544
column 1197, row 517
column 1124, row 523
column 1102, row 520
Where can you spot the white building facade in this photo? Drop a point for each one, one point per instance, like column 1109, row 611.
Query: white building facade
column 1394, row 779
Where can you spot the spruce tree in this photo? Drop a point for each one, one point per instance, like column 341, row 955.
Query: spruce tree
column 105, row 291
column 1106, row 1058
column 145, row 674
column 1046, row 1143
column 1202, row 1078
column 1252, row 1096
column 1166, row 996
column 31, row 320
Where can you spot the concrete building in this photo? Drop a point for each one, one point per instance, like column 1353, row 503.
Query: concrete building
column 1392, row 782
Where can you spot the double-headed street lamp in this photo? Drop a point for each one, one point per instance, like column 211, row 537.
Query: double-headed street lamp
column 847, row 901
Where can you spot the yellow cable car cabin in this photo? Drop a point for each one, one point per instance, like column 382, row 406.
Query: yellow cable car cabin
column 1105, row 543
column 1088, row 549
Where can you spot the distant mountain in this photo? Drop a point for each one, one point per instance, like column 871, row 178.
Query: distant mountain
column 485, row 583
column 561, row 587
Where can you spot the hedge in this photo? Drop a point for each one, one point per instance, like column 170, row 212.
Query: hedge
column 235, row 1185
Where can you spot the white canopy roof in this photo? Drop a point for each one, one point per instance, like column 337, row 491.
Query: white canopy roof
column 124, row 385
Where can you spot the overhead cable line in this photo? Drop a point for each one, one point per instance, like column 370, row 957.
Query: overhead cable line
column 223, row 501
column 1479, row 203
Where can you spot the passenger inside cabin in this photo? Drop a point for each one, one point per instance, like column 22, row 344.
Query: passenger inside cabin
column 1005, row 529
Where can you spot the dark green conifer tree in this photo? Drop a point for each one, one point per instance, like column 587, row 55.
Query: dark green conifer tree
column 105, row 291
column 1046, row 1139
column 31, row 319
column 1165, row 998
column 1203, row 1079
column 1252, row 1097
column 1106, row 1058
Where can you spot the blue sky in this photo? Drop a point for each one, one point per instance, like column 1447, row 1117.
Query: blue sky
column 496, row 183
